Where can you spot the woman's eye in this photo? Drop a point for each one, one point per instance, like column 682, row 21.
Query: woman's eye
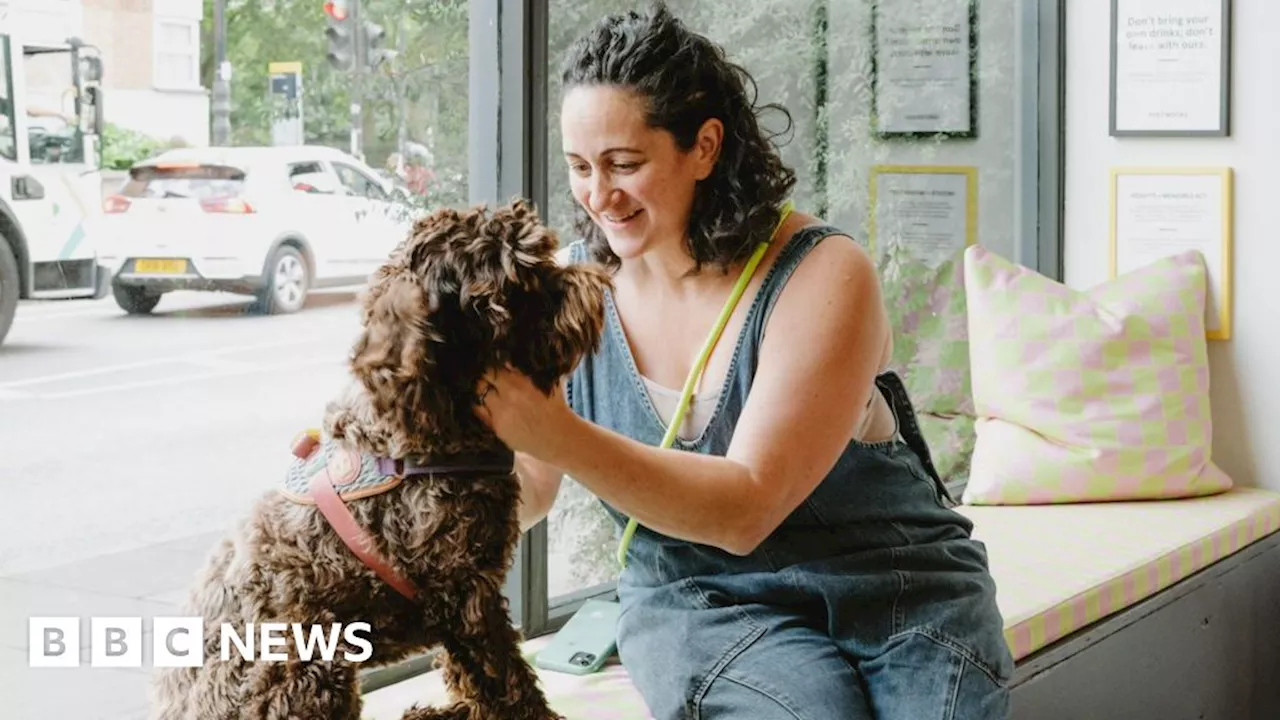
column 626, row 166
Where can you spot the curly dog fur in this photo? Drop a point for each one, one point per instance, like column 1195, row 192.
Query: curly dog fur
column 465, row 292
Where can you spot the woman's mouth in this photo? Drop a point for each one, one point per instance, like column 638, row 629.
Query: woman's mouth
column 619, row 220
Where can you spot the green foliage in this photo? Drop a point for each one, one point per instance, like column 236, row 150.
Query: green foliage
column 419, row 96
column 121, row 147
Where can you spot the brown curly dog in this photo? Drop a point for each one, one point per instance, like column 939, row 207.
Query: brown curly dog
column 426, row 482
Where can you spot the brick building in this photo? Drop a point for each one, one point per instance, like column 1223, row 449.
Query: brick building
column 151, row 56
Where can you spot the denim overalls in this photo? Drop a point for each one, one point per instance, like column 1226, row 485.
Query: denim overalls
column 871, row 600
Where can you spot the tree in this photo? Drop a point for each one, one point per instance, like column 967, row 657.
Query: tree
column 417, row 97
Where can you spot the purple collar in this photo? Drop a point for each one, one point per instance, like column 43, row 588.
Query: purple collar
column 495, row 463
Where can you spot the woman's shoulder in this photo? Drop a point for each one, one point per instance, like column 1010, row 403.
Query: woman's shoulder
column 809, row 235
column 816, row 228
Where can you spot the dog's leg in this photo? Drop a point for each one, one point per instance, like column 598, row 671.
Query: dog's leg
column 457, row 711
column 296, row 688
column 483, row 665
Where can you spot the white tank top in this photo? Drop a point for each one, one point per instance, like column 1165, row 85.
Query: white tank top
column 701, row 408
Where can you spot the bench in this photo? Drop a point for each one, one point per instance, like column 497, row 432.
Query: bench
column 1157, row 609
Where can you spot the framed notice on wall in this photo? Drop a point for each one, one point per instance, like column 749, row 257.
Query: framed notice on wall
column 1170, row 67
column 923, row 62
column 928, row 211
column 1158, row 212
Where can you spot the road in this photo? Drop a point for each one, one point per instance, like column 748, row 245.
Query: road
column 121, row 432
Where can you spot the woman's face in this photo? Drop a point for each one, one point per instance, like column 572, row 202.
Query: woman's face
column 634, row 181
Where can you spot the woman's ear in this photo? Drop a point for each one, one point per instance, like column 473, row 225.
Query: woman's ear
column 706, row 147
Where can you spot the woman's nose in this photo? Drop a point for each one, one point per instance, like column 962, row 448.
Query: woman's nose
column 599, row 193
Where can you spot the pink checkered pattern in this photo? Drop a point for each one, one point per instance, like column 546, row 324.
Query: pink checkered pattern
column 1089, row 396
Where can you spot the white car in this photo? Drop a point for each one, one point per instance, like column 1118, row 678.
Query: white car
column 274, row 222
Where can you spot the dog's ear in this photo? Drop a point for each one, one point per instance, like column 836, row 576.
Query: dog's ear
column 576, row 324
column 397, row 355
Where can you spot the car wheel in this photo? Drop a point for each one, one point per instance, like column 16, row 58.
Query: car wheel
column 288, row 280
column 135, row 300
column 9, row 290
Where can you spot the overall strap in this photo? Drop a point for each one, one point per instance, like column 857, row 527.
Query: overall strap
column 804, row 240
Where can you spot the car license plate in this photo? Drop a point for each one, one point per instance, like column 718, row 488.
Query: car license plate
column 160, row 267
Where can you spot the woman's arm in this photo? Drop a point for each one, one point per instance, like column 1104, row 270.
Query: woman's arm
column 817, row 368
column 539, row 485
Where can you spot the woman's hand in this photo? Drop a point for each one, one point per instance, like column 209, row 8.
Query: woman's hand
column 519, row 414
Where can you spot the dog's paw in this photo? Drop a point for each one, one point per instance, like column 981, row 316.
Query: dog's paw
column 456, row 711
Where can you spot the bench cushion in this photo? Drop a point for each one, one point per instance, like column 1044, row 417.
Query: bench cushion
column 1058, row 568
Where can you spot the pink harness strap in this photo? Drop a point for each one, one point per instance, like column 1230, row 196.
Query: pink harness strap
column 344, row 523
column 355, row 537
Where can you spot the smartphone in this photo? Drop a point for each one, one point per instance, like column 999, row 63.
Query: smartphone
column 585, row 642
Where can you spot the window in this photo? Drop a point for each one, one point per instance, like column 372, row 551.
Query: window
column 360, row 184
column 311, row 177
column 199, row 182
column 916, row 126
column 184, row 377
column 8, row 128
column 177, row 54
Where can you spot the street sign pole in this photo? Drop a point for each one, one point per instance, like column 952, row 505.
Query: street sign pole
column 221, row 77
column 357, row 81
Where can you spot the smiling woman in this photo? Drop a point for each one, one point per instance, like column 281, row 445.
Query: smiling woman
column 831, row 64
column 810, row 469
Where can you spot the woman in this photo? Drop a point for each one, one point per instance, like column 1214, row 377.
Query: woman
column 796, row 557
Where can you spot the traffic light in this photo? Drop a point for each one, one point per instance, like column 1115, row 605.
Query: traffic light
column 374, row 35
column 342, row 51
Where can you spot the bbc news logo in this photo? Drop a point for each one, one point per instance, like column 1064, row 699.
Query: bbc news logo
column 180, row 641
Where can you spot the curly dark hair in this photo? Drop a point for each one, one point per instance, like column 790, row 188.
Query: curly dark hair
column 686, row 79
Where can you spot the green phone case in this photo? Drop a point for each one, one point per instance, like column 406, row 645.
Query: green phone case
column 585, row 643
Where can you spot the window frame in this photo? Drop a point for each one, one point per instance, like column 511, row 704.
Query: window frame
column 10, row 113
column 159, row 49
column 1039, row 35
column 507, row 148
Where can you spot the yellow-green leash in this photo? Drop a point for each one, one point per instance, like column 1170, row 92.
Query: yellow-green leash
column 695, row 372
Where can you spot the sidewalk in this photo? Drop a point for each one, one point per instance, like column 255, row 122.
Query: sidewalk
column 142, row 583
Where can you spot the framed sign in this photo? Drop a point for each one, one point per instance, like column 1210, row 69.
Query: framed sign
column 923, row 61
column 1158, row 212
column 1170, row 67
column 931, row 211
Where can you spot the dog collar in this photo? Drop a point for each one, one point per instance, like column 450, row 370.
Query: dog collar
column 495, row 463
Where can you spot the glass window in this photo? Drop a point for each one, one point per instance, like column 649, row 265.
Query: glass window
column 904, row 133
column 161, row 393
column 203, row 182
column 177, row 45
column 8, row 128
column 360, row 184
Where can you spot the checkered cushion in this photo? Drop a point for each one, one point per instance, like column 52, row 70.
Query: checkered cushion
column 926, row 306
column 1094, row 395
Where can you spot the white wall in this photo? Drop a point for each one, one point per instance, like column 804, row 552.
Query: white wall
column 1245, row 369
column 163, row 114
